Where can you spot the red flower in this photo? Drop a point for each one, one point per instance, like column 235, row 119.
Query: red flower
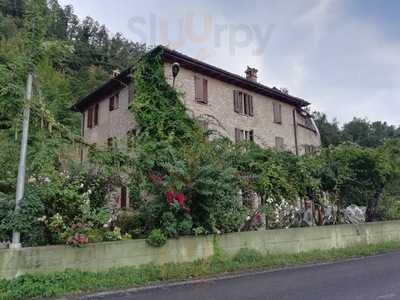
column 155, row 178
column 258, row 217
column 180, row 197
column 170, row 195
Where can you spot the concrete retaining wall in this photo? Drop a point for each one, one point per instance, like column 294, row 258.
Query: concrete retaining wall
column 102, row 256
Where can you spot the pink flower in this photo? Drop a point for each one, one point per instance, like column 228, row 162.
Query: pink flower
column 155, row 178
column 180, row 197
column 170, row 195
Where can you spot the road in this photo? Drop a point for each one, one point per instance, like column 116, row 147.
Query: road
column 376, row 277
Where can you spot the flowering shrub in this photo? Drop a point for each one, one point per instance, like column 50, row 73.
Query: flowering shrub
column 78, row 240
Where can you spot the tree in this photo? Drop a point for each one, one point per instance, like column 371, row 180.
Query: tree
column 330, row 132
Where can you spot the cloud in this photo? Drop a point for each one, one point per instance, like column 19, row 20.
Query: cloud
column 338, row 55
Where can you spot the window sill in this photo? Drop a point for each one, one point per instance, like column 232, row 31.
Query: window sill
column 243, row 115
column 202, row 103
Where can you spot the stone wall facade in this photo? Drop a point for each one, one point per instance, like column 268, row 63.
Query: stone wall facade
column 115, row 124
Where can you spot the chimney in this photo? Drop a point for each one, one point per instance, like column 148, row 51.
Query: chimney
column 251, row 74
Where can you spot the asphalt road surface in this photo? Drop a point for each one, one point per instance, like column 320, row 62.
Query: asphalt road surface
column 376, row 277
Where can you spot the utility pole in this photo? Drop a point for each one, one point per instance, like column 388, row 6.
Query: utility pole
column 16, row 237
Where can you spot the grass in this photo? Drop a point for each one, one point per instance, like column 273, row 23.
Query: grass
column 75, row 282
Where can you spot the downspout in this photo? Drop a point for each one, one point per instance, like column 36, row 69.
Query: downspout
column 295, row 132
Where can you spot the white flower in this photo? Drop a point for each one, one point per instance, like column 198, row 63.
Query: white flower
column 42, row 219
column 46, row 179
column 218, row 232
column 89, row 191
column 248, row 218
column 81, row 186
column 106, row 226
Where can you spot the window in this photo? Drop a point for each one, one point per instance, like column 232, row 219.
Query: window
column 243, row 103
column 90, row 117
column 279, row 144
column 277, row 107
column 129, row 137
column 124, row 196
column 309, row 149
column 241, row 135
column 110, row 142
column 249, row 135
column 201, row 90
column 96, row 115
column 114, row 102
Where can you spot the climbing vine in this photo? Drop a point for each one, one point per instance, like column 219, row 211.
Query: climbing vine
column 158, row 108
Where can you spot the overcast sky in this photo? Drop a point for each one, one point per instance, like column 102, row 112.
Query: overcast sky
column 342, row 56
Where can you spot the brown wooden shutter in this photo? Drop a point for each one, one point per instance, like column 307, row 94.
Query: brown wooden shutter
column 90, row 117
column 279, row 143
column 235, row 101
column 251, row 109
column 245, row 104
column 205, row 91
column 96, row 114
column 240, row 102
column 198, row 89
column 280, row 113
column 237, row 135
column 116, row 101
column 124, row 193
column 111, row 103
column 277, row 112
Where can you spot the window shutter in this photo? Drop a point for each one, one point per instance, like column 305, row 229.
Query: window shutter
column 124, row 194
column 279, row 143
column 205, row 91
column 237, row 135
column 240, row 102
column 116, row 101
column 277, row 112
column 131, row 93
column 96, row 114
column 198, row 89
column 235, row 101
column 111, row 103
column 90, row 117
column 280, row 113
column 251, row 109
column 245, row 104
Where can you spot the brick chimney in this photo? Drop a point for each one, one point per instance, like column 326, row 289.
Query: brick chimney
column 251, row 74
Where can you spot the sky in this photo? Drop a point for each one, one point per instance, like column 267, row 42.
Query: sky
column 342, row 56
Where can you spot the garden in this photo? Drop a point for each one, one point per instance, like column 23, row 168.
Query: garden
column 183, row 180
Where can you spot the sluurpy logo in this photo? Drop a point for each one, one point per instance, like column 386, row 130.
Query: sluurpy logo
column 202, row 32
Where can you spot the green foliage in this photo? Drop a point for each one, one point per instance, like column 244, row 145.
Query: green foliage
column 114, row 235
column 359, row 131
column 157, row 107
column 247, row 256
column 26, row 220
column 129, row 221
column 156, row 238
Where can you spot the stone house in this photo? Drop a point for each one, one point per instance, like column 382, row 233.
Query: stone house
column 244, row 108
